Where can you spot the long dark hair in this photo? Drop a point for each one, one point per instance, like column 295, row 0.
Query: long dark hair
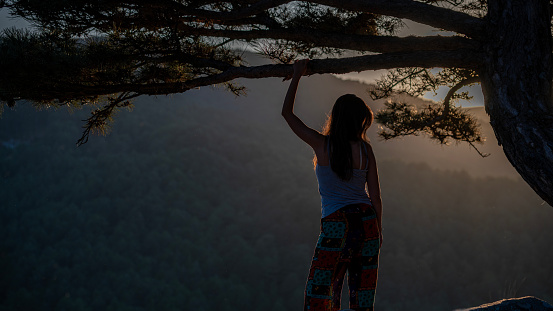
column 348, row 122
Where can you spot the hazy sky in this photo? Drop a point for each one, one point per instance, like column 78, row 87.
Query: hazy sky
column 412, row 28
column 7, row 21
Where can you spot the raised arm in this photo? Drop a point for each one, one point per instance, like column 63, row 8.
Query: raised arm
column 373, row 187
column 307, row 134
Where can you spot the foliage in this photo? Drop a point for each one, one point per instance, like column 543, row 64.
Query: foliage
column 442, row 122
column 83, row 69
column 419, row 81
column 105, row 53
column 474, row 7
column 401, row 119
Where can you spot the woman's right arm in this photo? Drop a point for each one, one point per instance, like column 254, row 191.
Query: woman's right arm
column 305, row 133
column 373, row 187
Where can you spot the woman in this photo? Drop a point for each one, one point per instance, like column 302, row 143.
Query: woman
column 351, row 221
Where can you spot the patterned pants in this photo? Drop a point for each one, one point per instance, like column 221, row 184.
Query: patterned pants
column 349, row 241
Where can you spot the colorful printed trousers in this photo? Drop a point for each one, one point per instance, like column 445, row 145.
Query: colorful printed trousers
column 349, row 241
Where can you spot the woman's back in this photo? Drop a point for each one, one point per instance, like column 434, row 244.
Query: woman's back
column 337, row 192
column 358, row 150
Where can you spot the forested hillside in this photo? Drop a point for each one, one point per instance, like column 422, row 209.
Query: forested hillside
column 206, row 202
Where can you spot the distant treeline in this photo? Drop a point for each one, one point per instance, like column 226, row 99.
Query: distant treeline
column 188, row 208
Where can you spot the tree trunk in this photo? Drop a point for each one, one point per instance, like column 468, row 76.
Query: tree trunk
column 516, row 81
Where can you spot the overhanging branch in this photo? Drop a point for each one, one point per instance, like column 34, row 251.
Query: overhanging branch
column 256, row 8
column 454, row 90
column 424, row 13
column 378, row 44
column 416, row 11
column 427, row 59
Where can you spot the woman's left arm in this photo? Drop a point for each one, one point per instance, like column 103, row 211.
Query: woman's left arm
column 373, row 186
column 304, row 132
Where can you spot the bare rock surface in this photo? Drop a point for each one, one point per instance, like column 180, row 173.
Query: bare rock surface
column 515, row 304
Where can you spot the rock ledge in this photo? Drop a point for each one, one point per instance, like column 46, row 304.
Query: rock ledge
column 528, row 303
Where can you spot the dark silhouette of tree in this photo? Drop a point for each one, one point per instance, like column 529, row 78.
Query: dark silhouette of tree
column 106, row 53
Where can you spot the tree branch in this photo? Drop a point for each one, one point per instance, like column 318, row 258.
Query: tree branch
column 416, row 11
column 480, row 153
column 256, row 8
column 428, row 59
column 100, row 117
column 424, row 13
column 184, row 58
column 454, row 90
column 378, row 44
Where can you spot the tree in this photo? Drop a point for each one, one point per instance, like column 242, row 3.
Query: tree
column 108, row 52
